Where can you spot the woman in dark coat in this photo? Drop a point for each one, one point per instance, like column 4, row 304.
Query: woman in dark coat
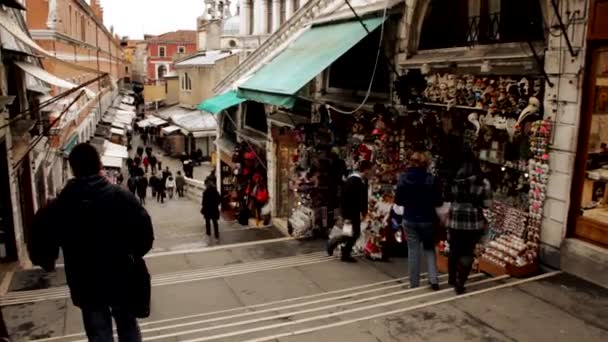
column 211, row 211
column 142, row 188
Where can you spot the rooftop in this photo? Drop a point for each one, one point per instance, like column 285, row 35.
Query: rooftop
column 206, row 58
column 185, row 36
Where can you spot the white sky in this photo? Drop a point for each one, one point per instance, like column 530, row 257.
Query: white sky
column 133, row 18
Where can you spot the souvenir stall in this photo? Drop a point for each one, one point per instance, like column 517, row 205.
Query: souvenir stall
column 500, row 119
column 249, row 196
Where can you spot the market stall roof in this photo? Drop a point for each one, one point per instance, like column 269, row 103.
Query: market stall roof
column 109, row 161
column 168, row 112
column 115, row 150
column 220, row 102
column 128, row 100
column 117, row 131
column 195, row 121
column 170, row 129
column 126, row 107
column 154, row 121
column 278, row 81
column 143, row 123
column 49, row 78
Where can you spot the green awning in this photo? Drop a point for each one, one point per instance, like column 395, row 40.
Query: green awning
column 278, row 81
column 67, row 148
column 218, row 103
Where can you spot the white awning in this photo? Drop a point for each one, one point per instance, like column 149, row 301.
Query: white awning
column 117, row 131
column 154, row 121
column 126, row 107
column 170, row 129
column 128, row 100
column 143, row 123
column 202, row 134
column 109, row 161
column 115, row 150
column 49, row 78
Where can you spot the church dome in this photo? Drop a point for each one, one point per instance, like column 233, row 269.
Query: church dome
column 231, row 26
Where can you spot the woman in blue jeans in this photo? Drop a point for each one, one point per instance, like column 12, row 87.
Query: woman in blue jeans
column 418, row 193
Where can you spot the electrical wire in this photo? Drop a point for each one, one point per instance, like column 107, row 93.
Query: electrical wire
column 371, row 81
column 47, row 130
column 50, row 101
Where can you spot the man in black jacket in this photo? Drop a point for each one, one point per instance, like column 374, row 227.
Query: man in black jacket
column 104, row 232
column 354, row 209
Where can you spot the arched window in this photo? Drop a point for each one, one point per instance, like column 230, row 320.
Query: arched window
column 162, row 71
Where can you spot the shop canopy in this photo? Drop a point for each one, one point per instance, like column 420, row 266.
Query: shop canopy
column 45, row 76
column 109, row 161
column 143, row 123
column 117, row 131
column 111, row 149
column 218, row 103
column 170, row 129
column 278, row 81
column 154, row 121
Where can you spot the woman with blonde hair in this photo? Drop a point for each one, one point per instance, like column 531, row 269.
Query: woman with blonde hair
column 418, row 193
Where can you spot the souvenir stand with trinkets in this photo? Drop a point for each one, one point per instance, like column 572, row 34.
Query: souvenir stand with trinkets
column 500, row 119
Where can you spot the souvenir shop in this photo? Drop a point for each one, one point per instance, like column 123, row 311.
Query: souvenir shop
column 443, row 112
column 243, row 169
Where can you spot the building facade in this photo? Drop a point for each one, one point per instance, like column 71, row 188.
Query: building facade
column 164, row 49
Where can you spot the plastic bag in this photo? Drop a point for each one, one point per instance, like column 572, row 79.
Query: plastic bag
column 347, row 228
column 443, row 213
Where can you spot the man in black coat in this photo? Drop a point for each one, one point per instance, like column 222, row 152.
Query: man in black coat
column 354, row 208
column 104, row 233
column 210, row 209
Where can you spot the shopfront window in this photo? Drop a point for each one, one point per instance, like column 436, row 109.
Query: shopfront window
column 255, row 117
column 594, row 201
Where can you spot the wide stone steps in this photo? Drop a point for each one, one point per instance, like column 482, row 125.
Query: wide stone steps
column 294, row 316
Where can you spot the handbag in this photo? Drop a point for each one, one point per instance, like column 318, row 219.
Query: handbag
column 139, row 288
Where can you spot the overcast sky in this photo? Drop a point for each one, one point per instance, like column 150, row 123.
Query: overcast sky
column 133, row 18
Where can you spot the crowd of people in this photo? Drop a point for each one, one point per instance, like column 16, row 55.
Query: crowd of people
column 418, row 195
column 145, row 171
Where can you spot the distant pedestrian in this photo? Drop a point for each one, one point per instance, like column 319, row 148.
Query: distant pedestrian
column 137, row 161
column 153, row 161
column 142, row 188
column 161, row 190
column 354, row 209
column 132, row 184
column 103, row 233
column 210, row 208
column 418, row 193
column 144, row 138
column 154, row 183
column 149, row 151
column 170, row 185
column 471, row 193
column 146, row 163
column 140, row 151
column 120, row 178
column 160, row 164
column 166, row 174
column 180, row 183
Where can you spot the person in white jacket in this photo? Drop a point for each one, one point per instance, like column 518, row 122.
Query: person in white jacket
column 170, row 185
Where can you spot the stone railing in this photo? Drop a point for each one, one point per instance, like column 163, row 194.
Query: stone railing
column 281, row 35
column 194, row 189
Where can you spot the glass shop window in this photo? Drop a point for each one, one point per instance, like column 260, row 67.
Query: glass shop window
column 594, row 200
